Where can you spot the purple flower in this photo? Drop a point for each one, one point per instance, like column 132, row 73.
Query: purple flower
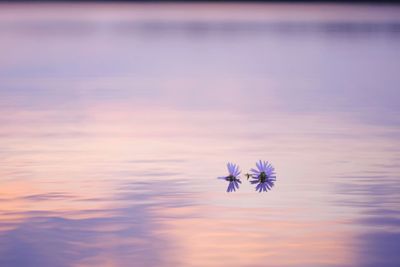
column 232, row 178
column 264, row 176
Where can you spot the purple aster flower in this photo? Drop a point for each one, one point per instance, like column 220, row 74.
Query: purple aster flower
column 232, row 178
column 264, row 176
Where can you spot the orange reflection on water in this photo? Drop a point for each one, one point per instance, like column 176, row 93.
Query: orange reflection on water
column 253, row 241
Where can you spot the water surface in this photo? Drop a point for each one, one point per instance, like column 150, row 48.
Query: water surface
column 117, row 119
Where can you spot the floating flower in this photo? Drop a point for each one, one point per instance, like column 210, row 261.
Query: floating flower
column 264, row 176
column 232, row 178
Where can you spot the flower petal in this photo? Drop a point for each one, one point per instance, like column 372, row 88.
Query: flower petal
column 258, row 187
column 233, row 186
column 255, row 171
column 259, row 166
column 229, row 189
column 229, row 166
column 234, row 169
column 265, row 188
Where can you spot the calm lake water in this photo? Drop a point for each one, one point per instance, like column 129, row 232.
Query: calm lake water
column 115, row 121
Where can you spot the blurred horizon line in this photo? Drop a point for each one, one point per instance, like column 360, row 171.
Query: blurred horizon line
column 369, row 2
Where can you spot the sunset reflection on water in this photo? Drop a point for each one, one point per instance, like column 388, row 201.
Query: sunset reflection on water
column 116, row 121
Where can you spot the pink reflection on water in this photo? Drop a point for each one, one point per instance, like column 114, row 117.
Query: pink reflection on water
column 80, row 177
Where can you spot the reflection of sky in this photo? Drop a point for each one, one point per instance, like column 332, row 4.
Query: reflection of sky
column 375, row 197
column 115, row 123
column 106, row 236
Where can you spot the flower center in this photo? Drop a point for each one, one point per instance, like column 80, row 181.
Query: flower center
column 263, row 177
column 230, row 178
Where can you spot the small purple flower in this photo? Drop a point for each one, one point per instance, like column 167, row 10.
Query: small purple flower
column 232, row 178
column 264, row 176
